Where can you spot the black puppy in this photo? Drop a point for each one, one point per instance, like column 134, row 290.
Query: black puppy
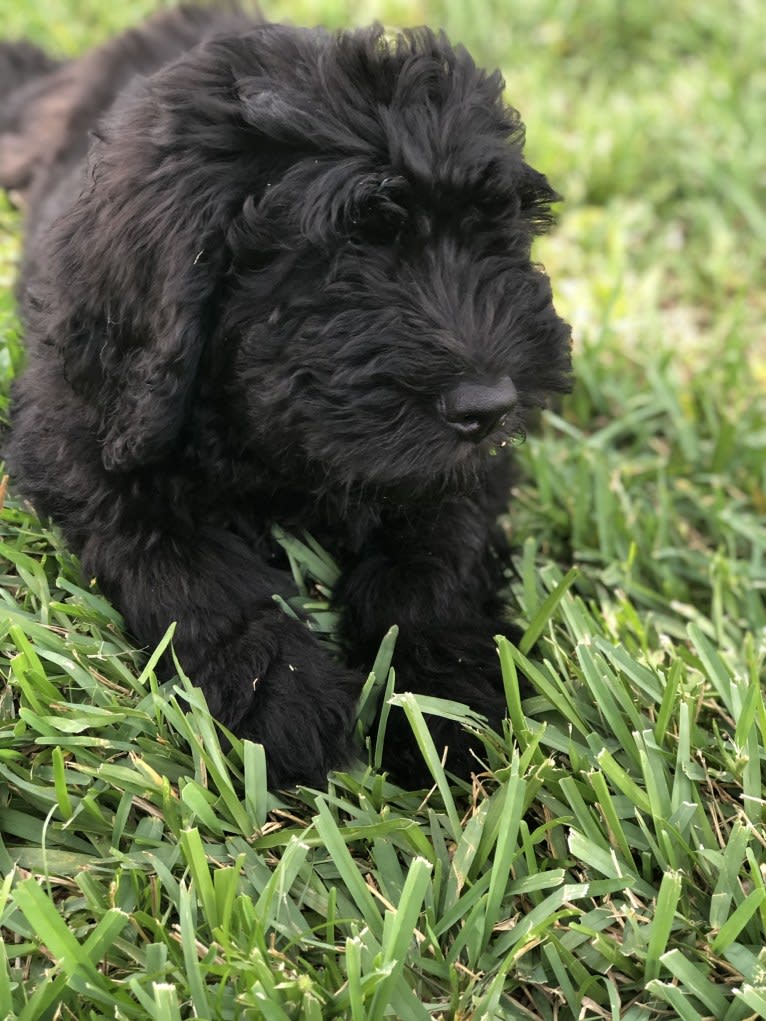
column 287, row 279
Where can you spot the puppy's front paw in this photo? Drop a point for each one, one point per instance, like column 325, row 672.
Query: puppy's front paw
column 275, row 685
column 457, row 666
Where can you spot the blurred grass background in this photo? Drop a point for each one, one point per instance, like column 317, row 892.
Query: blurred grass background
column 611, row 861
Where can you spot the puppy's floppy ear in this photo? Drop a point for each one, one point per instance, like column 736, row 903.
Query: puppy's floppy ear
column 155, row 381
column 134, row 266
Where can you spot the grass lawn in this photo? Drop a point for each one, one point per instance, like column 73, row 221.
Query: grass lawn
column 611, row 860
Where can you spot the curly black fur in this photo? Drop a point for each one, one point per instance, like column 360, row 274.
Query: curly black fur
column 246, row 306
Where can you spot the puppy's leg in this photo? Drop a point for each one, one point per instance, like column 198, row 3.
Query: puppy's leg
column 264, row 675
column 436, row 578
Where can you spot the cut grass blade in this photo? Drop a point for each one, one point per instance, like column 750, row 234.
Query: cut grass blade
column 662, row 922
column 411, row 703
column 545, row 611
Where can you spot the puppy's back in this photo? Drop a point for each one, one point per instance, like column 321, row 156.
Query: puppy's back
column 50, row 108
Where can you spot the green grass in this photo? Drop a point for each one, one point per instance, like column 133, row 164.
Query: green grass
column 611, row 860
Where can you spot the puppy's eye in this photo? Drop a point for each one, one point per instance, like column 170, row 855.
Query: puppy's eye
column 496, row 201
column 382, row 222
column 381, row 215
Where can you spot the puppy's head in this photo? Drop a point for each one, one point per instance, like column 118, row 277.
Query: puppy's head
column 336, row 230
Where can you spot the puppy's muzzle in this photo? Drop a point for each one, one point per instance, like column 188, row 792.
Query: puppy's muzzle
column 475, row 410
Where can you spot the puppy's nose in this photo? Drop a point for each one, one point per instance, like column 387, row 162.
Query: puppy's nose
column 474, row 410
